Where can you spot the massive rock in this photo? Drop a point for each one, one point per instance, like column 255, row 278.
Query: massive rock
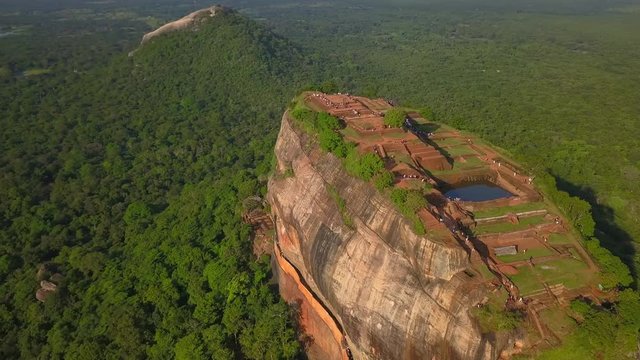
column 183, row 23
column 390, row 293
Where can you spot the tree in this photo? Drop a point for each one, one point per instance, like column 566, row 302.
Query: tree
column 383, row 180
column 328, row 122
column 363, row 166
column 395, row 117
column 190, row 347
column 614, row 272
column 137, row 214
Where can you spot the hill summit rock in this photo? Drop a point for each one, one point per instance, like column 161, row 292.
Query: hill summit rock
column 185, row 22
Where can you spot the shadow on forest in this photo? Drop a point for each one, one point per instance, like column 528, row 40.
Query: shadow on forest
column 611, row 236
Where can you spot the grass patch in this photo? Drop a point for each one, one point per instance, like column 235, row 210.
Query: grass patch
column 342, row 207
column 504, row 210
column 526, row 280
column 537, row 252
column 493, row 317
column 460, row 150
column 449, row 142
column 571, row 273
column 559, row 239
column 504, row 226
column 351, row 133
column 396, row 136
column 459, row 166
column 401, row 157
column 558, row 321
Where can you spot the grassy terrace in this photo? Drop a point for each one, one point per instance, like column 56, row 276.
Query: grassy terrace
column 571, row 273
column 526, row 280
column 460, row 150
column 450, row 142
column 401, row 157
column 559, row 239
column 537, row 252
column 504, row 210
column 504, row 226
column 458, row 166
column 558, row 321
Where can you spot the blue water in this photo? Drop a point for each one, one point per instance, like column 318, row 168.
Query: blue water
column 478, row 192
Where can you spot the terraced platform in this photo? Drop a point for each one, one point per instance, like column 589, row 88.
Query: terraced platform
column 519, row 243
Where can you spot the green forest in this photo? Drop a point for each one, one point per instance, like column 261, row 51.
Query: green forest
column 123, row 176
column 127, row 184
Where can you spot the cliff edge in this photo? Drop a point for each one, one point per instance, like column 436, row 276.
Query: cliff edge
column 390, row 293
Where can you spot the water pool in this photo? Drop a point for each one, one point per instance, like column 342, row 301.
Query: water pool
column 477, row 192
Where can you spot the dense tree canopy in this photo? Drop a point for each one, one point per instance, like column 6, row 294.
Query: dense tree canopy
column 125, row 175
column 124, row 183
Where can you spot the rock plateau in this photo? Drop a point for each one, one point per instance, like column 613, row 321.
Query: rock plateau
column 373, row 290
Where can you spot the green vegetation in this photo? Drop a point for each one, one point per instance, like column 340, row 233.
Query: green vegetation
column 364, row 166
column 568, row 272
column 492, row 317
column 504, row 210
column 408, row 203
column 450, row 142
column 96, row 135
column 520, row 77
column 460, row 150
column 468, row 164
column 506, row 226
column 613, row 271
column 383, row 180
column 536, row 252
column 571, row 273
column 395, row 117
column 325, row 126
column 486, row 273
column 526, row 280
column 342, row 206
column 559, row 239
column 558, row 321
column 128, row 182
column 601, row 333
column 5, row 73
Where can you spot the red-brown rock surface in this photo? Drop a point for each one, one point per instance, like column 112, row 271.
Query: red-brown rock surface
column 391, row 293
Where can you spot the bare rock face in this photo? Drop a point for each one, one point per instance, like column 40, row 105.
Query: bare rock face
column 46, row 289
column 391, row 293
column 183, row 23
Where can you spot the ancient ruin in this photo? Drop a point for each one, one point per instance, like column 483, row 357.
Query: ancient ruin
column 375, row 289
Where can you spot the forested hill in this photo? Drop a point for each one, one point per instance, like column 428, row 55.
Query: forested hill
column 123, row 186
